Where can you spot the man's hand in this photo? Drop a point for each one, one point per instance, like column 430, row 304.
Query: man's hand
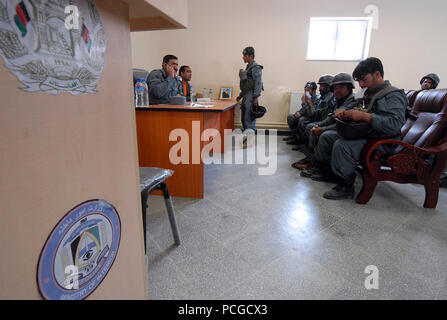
column 255, row 102
column 170, row 71
column 316, row 130
column 303, row 98
column 340, row 113
column 356, row 115
column 239, row 97
column 307, row 100
column 297, row 115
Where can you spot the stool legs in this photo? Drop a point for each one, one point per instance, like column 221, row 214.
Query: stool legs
column 169, row 207
column 171, row 213
column 144, row 196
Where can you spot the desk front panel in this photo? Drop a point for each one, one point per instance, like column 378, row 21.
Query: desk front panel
column 153, row 130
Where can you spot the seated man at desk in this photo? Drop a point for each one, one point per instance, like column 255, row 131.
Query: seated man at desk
column 185, row 77
column 163, row 83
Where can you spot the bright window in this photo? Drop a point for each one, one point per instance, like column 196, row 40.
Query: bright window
column 339, row 39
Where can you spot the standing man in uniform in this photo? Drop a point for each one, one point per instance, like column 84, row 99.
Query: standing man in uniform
column 251, row 87
column 163, row 83
column 386, row 115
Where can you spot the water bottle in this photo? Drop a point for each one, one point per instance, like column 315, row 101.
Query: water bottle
column 211, row 93
column 141, row 93
column 193, row 95
column 204, row 92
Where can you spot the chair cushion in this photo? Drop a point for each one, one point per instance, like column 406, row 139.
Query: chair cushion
column 431, row 108
column 426, row 130
column 434, row 101
column 150, row 177
column 411, row 95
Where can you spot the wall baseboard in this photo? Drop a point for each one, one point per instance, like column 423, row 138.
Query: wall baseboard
column 266, row 125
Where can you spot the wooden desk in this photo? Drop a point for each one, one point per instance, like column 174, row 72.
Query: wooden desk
column 154, row 125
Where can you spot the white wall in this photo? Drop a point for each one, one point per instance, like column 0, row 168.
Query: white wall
column 410, row 42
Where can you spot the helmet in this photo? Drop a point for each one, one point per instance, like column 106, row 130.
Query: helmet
column 311, row 85
column 249, row 51
column 326, row 79
column 342, row 78
column 351, row 130
column 258, row 111
column 434, row 77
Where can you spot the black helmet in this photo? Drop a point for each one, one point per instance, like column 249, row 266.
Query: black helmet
column 352, row 130
column 249, row 51
column 342, row 78
column 326, row 79
column 434, row 77
column 311, row 85
column 258, row 111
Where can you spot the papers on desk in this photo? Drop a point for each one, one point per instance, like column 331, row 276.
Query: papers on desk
column 198, row 105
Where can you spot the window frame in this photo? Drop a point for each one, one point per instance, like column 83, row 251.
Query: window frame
column 366, row 44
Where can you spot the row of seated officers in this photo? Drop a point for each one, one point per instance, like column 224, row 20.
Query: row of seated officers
column 331, row 157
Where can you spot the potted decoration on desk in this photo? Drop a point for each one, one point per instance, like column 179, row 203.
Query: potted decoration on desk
column 225, row 93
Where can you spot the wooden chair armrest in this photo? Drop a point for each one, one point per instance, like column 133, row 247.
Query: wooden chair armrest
column 373, row 145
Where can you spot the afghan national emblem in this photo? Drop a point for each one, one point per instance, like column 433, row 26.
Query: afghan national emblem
column 45, row 53
column 79, row 252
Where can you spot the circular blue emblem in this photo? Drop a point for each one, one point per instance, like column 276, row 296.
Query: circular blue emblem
column 79, row 251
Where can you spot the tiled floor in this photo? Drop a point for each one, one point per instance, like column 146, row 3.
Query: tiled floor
column 275, row 237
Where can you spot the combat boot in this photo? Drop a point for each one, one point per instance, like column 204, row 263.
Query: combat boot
column 343, row 190
column 309, row 172
column 313, row 167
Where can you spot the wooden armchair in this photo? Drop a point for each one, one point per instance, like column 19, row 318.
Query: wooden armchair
column 421, row 155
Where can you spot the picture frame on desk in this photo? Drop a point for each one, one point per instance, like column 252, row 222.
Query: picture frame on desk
column 225, row 93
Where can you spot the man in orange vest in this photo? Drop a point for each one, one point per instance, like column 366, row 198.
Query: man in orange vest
column 185, row 74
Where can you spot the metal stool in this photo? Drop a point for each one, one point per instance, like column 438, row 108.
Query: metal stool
column 153, row 179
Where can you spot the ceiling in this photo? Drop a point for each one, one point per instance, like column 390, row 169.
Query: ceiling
column 144, row 17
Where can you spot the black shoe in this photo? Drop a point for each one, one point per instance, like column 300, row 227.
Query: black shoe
column 292, row 141
column 340, row 192
column 287, row 138
column 343, row 190
column 309, row 172
column 299, row 166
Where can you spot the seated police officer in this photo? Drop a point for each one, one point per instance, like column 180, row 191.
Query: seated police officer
column 326, row 105
column 385, row 113
column 430, row 81
column 185, row 74
column 324, row 133
column 299, row 119
column 163, row 83
column 327, row 102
